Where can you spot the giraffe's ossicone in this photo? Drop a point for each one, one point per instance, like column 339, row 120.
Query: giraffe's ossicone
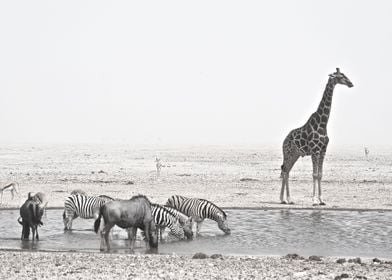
column 311, row 139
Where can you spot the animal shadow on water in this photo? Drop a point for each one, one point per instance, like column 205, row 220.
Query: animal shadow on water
column 30, row 217
column 130, row 214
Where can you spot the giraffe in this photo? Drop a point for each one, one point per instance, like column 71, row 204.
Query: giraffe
column 312, row 140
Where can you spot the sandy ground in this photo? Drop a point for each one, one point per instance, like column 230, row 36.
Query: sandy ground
column 40, row 265
column 230, row 177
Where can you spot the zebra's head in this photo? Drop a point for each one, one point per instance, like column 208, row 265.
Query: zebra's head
column 177, row 230
column 187, row 227
column 222, row 223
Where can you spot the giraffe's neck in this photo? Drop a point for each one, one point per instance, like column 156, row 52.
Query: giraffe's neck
column 324, row 109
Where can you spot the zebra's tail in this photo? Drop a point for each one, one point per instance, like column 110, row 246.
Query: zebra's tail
column 97, row 222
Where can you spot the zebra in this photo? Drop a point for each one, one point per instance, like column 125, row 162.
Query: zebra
column 86, row 207
column 185, row 221
column 163, row 218
column 199, row 209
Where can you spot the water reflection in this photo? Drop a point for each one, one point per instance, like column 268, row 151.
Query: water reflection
column 29, row 245
column 316, row 217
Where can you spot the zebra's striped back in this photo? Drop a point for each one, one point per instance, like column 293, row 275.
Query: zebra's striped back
column 199, row 208
column 196, row 207
column 163, row 218
column 178, row 214
column 84, row 206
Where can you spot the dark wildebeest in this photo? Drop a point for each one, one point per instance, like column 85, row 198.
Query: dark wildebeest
column 129, row 214
column 30, row 217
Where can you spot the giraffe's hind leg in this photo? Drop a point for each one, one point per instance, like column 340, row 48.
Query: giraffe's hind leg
column 320, row 175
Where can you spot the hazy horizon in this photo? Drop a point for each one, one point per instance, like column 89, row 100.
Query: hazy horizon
column 200, row 73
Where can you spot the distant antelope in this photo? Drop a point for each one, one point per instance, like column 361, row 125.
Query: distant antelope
column 12, row 187
column 158, row 165
column 366, row 152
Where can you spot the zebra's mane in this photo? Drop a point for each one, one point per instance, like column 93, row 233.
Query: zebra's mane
column 213, row 204
column 176, row 213
column 171, row 208
column 156, row 205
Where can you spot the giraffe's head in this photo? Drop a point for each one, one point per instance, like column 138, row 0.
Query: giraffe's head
column 340, row 78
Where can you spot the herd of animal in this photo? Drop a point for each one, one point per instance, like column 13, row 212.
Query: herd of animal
column 178, row 215
column 311, row 139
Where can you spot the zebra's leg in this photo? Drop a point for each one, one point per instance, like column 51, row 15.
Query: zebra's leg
column 68, row 217
column 65, row 220
column 198, row 226
column 161, row 229
column 192, row 222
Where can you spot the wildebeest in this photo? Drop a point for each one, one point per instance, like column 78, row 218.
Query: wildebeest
column 129, row 214
column 30, row 217
column 40, row 198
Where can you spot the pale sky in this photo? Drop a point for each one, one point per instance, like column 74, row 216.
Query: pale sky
column 192, row 72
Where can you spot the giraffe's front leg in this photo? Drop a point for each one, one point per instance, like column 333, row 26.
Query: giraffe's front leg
column 289, row 201
column 317, row 161
column 282, row 199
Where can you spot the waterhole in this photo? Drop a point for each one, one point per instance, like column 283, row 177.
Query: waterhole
column 254, row 232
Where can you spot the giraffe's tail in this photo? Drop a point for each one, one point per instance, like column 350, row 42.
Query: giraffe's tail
column 281, row 172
